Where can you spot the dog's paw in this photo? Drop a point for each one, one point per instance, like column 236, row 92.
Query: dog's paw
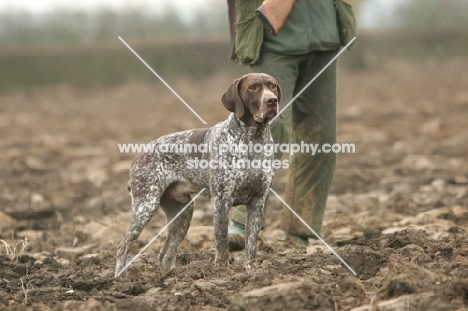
column 221, row 263
column 167, row 261
column 121, row 263
column 248, row 268
column 165, row 272
column 222, row 259
column 118, row 268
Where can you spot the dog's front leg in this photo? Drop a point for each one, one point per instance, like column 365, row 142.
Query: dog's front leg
column 252, row 228
column 221, row 207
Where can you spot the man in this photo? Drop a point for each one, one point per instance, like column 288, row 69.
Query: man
column 309, row 39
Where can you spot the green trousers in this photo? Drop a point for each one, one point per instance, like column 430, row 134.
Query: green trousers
column 310, row 119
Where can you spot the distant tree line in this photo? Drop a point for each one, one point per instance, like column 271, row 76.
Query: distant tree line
column 71, row 26
column 431, row 14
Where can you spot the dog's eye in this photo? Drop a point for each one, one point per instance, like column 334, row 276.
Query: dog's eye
column 253, row 87
column 274, row 86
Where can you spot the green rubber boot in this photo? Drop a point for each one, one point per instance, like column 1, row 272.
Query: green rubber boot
column 236, row 236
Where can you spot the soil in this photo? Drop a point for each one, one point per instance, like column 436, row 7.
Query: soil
column 397, row 212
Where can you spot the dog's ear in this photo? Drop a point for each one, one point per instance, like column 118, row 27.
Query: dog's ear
column 231, row 99
column 280, row 94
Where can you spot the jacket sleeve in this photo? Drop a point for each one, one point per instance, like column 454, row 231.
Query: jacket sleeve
column 248, row 32
column 232, row 28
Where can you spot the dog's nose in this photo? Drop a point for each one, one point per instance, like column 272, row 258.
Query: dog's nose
column 272, row 101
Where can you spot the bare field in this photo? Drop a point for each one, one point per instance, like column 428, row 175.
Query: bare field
column 398, row 211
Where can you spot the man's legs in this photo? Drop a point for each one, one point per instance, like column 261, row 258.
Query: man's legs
column 313, row 122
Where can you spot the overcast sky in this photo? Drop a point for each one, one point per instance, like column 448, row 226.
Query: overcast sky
column 374, row 11
column 44, row 6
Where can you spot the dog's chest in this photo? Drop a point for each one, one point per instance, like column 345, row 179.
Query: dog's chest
column 245, row 167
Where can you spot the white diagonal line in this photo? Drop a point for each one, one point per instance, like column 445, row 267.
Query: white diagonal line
column 310, row 82
column 162, row 80
column 159, row 233
column 315, row 233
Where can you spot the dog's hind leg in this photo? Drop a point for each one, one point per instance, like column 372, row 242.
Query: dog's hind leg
column 143, row 209
column 176, row 231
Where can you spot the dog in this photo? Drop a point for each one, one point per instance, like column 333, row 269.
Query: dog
column 163, row 179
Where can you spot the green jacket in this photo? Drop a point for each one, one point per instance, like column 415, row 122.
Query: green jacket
column 313, row 25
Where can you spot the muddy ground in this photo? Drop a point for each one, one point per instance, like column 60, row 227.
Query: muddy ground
column 397, row 213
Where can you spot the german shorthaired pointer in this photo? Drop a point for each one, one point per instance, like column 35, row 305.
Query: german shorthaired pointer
column 163, row 178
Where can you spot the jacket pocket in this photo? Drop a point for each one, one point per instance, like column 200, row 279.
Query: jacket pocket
column 346, row 22
column 249, row 32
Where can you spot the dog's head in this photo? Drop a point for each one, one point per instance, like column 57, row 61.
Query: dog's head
column 254, row 98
